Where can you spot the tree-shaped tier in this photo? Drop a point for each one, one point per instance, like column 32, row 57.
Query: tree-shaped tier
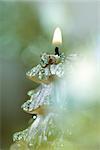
column 43, row 129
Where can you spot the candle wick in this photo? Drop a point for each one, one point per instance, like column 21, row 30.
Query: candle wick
column 57, row 52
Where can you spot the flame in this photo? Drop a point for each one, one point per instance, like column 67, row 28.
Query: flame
column 57, row 37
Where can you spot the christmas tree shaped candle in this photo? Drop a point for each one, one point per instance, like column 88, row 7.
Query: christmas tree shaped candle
column 41, row 103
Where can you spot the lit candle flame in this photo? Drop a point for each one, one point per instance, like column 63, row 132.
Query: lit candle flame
column 57, row 37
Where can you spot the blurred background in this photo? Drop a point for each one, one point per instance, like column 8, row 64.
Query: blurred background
column 26, row 30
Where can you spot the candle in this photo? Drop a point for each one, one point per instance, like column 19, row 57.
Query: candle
column 57, row 40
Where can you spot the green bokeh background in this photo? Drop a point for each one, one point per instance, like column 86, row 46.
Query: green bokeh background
column 26, row 30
